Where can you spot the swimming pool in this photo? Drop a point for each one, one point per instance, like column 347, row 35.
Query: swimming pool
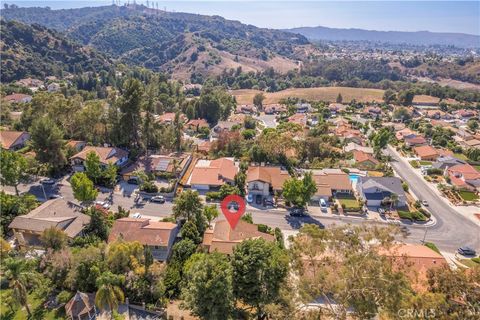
column 353, row 177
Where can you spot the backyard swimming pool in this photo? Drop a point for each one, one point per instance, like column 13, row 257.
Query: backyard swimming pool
column 353, row 177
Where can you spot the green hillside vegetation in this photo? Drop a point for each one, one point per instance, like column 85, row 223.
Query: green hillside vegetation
column 38, row 52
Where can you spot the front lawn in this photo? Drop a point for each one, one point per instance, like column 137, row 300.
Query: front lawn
column 460, row 156
column 350, row 203
column 468, row 195
column 412, row 216
column 425, row 163
column 415, row 164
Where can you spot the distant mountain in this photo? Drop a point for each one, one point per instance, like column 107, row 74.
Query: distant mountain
column 180, row 43
column 415, row 38
column 36, row 51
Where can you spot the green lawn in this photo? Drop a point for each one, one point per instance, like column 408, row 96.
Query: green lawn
column 432, row 246
column 412, row 216
column 468, row 195
column 415, row 164
column 460, row 156
column 477, row 167
column 350, row 203
column 425, row 163
column 36, row 307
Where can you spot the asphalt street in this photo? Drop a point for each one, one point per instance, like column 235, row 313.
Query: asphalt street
column 452, row 229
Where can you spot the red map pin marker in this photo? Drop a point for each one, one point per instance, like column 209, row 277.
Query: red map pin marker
column 233, row 215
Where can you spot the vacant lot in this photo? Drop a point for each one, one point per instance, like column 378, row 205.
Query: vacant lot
column 245, row 96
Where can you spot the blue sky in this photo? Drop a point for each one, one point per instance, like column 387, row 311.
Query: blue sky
column 439, row 16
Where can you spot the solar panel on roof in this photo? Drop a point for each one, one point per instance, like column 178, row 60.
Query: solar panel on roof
column 163, row 164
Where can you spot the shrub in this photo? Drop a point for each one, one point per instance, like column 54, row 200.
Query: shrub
column 415, row 164
column 64, row 297
column 434, row 171
column 405, row 215
column 405, row 186
column 418, row 216
column 213, row 195
column 432, row 246
column 425, row 212
column 264, row 228
column 149, row 186
column 477, row 260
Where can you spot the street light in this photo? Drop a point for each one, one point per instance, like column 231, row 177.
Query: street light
column 425, row 235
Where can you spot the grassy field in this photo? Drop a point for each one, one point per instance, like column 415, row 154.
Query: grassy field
column 245, row 96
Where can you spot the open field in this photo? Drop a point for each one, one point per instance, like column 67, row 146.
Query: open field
column 245, row 96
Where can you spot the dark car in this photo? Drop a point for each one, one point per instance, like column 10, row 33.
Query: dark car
column 258, row 199
column 132, row 181
column 298, row 212
column 466, row 251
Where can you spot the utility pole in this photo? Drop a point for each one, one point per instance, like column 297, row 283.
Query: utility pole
column 425, row 235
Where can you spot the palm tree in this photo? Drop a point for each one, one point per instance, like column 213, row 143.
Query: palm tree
column 109, row 294
column 19, row 276
column 393, row 200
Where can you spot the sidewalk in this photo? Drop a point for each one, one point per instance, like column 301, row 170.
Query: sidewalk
column 466, row 211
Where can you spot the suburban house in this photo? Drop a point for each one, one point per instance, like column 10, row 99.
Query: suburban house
column 299, row 118
column 465, row 114
column 303, row 107
column 107, row 155
column 349, row 135
column 57, row 213
column 331, row 182
column 464, row 176
column 223, row 126
column 204, row 147
column 53, row 87
column 274, row 108
column 444, row 162
column 222, row 238
column 427, row 153
column 196, row 124
column 372, row 111
column 174, row 164
column 246, row 109
column 413, row 141
column 17, row 98
column 352, row 146
column 404, row 133
column 374, row 190
column 364, row 160
column 32, row 84
column 13, row 140
column 415, row 260
column 265, row 180
column 436, row 114
column 76, row 145
column 169, row 118
column 212, row 174
column 158, row 236
column 81, row 307
column 336, row 108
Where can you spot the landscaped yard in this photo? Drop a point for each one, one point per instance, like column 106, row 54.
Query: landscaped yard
column 415, row 164
column 412, row 215
column 460, row 156
column 468, row 195
column 38, row 312
column 349, row 203
column 425, row 163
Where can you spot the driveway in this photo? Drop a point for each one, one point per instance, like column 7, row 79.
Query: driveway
column 269, row 120
column 452, row 229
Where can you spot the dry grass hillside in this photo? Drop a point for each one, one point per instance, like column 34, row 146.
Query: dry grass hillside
column 323, row 93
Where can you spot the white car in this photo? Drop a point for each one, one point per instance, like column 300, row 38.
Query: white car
column 425, row 203
column 136, row 215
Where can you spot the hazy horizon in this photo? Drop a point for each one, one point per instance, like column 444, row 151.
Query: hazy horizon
column 433, row 16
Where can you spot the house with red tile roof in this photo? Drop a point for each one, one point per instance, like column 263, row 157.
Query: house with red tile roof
column 265, row 180
column 274, row 108
column 246, row 109
column 107, row 155
column 404, row 133
column 76, row 144
column 299, row 118
column 212, row 174
column 169, row 117
column 157, row 235
column 196, row 124
column 412, row 141
column 222, row 238
column 13, row 140
column 364, row 160
column 464, row 176
column 17, row 98
column 330, row 182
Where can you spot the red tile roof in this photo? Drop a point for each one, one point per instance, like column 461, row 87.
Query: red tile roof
column 213, row 173
column 145, row 231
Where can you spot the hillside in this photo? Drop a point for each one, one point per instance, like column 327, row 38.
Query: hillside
column 38, row 52
column 177, row 42
column 415, row 38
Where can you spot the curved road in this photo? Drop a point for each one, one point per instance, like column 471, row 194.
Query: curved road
column 452, row 229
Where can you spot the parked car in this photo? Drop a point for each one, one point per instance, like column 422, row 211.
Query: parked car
column 159, row 199
column 381, row 211
column 136, row 215
column 47, row 181
column 268, row 203
column 298, row 212
column 133, row 181
column 249, row 198
column 258, row 199
column 323, row 205
column 467, row 251
column 425, row 203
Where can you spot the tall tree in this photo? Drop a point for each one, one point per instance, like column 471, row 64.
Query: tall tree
column 211, row 213
column 93, row 167
column 259, row 270
column 109, row 293
column 20, row 276
column 130, row 104
column 13, row 167
column 47, row 142
column 178, row 126
column 258, row 100
column 83, row 188
column 208, row 291
column 187, row 205
column 299, row 192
